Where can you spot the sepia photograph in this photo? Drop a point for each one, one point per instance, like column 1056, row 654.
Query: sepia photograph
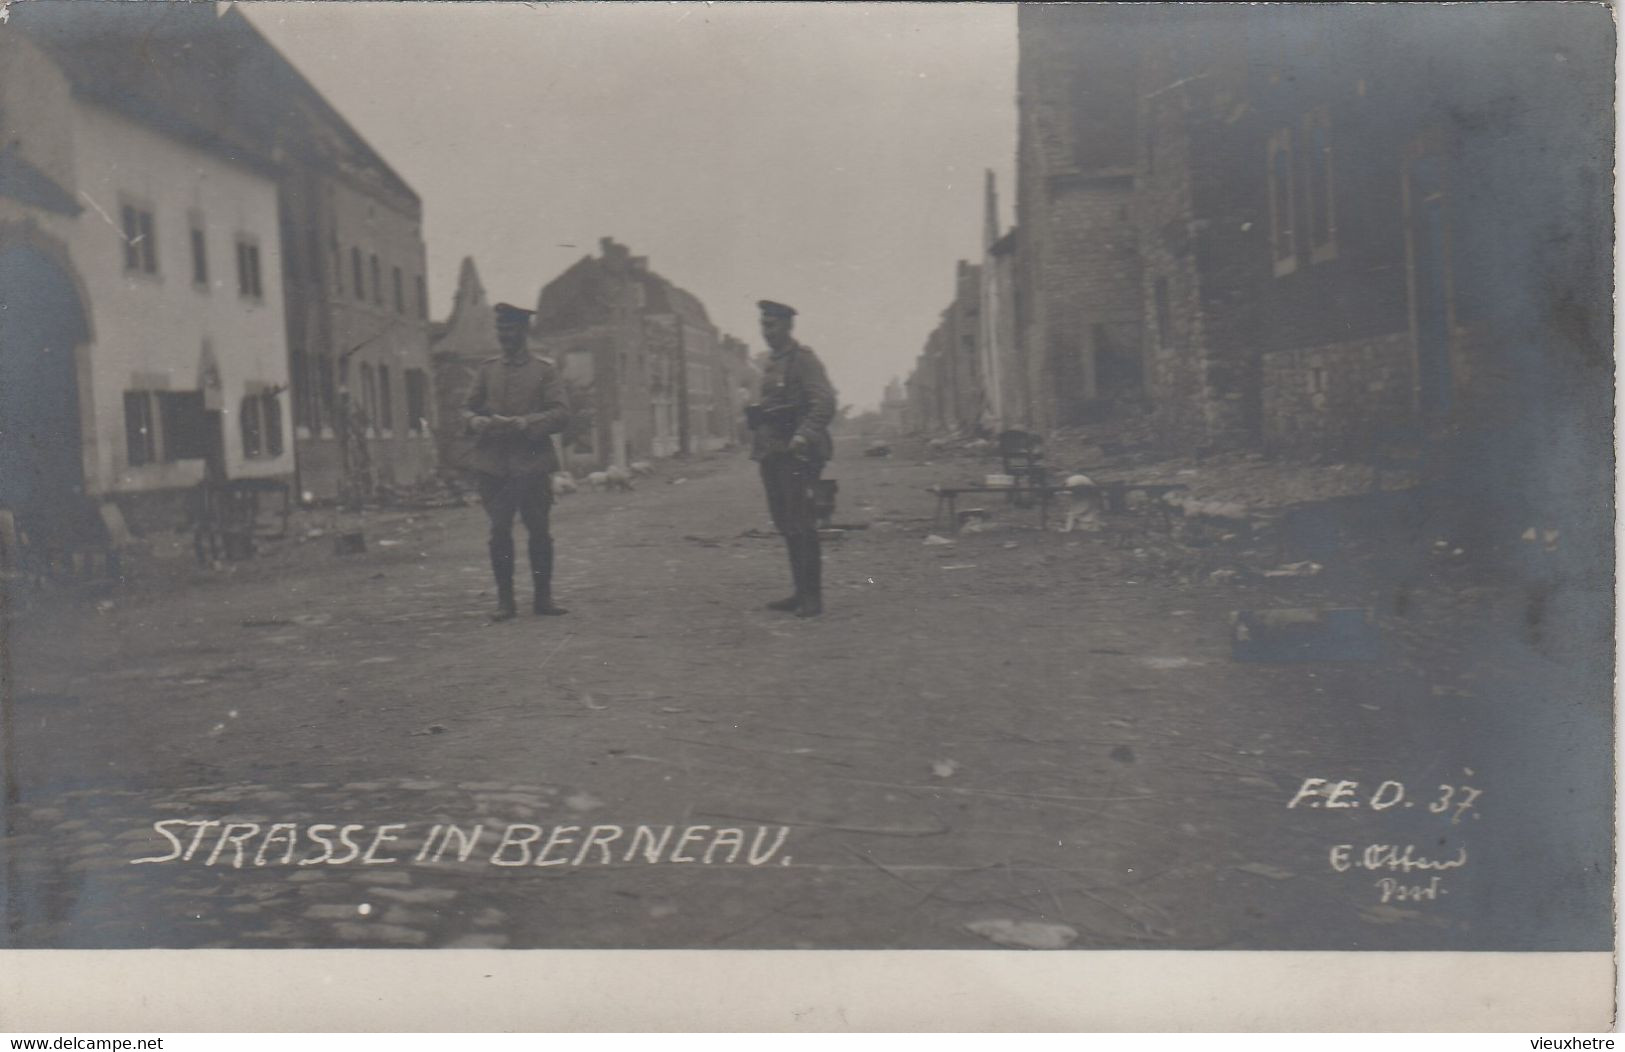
column 989, row 478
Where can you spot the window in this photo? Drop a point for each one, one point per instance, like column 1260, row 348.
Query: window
column 185, row 425
column 248, row 269
column 338, row 269
column 200, row 256
column 140, row 246
column 261, row 419
column 369, row 394
column 271, row 407
column 386, row 401
column 400, row 290
column 360, row 278
column 377, row 283
column 140, row 430
column 423, row 298
column 1319, row 187
column 253, row 430
column 417, row 401
column 1283, row 238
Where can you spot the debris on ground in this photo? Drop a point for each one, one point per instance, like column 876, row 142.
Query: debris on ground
column 1303, row 569
column 1030, row 935
column 1303, row 634
column 944, row 768
column 934, row 540
column 1260, row 869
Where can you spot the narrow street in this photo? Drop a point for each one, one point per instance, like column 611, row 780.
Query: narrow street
column 1017, row 728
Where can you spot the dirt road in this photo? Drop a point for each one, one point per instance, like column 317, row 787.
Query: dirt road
column 1000, row 741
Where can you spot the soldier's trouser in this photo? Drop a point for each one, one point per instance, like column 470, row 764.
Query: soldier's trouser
column 530, row 497
column 789, row 483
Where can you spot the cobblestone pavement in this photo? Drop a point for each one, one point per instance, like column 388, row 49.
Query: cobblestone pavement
column 1022, row 728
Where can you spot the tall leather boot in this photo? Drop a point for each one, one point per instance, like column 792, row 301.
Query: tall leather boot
column 792, row 545
column 812, row 578
column 502, row 570
column 541, row 576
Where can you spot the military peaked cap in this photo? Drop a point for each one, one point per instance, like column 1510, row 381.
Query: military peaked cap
column 775, row 310
column 508, row 312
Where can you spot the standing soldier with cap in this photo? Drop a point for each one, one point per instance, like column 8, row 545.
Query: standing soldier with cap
column 515, row 406
column 790, row 439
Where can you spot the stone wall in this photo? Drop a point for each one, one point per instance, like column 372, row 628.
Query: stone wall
column 1347, row 400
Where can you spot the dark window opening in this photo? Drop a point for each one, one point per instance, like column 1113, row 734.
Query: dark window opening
column 248, row 270
column 377, row 282
column 261, row 417
column 417, row 401
column 360, row 277
column 1320, row 189
column 200, row 258
column 386, row 400
column 1283, row 237
column 400, row 290
column 185, row 425
column 423, row 297
column 140, row 245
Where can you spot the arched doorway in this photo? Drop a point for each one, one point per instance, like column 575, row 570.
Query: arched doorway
column 42, row 325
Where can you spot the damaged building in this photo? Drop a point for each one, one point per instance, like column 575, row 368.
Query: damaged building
column 1355, row 233
column 660, row 378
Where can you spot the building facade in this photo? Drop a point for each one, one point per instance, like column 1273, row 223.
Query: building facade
column 660, row 378
column 140, row 275
column 1315, row 233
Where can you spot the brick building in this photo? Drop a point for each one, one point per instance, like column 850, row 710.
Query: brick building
column 1320, row 232
column 662, row 380
column 1078, row 268
column 355, row 277
column 1004, row 380
column 947, row 387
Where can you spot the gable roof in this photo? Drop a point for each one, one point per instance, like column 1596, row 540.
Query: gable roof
column 21, row 181
column 205, row 78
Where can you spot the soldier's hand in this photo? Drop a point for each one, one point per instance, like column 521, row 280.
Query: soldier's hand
column 479, row 424
column 798, row 445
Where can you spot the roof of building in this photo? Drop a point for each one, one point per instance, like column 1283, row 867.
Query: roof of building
column 23, row 182
column 205, row 77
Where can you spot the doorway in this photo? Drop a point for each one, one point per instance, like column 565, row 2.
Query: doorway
column 42, row 325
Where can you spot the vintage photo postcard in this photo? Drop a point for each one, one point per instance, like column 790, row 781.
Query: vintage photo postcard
column 1110, row 492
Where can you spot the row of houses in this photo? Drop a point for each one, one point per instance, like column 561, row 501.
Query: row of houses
column 649, row 374
column 207, row 273
column 1317, row 232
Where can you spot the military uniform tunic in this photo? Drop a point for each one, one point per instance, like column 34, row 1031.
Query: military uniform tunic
column 797, row 399
column 515, row 468
column 528, row 388
column 795, row 385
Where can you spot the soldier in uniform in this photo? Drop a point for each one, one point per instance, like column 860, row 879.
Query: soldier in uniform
column 515, row 405
column 790, row 440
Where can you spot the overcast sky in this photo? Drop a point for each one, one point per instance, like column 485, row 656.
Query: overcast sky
column 827, row 155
